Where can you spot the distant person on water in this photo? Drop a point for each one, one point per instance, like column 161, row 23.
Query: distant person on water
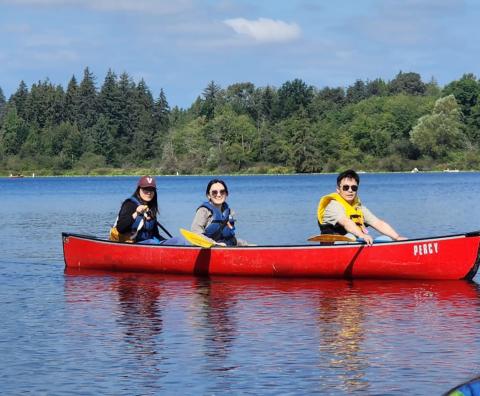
column 214, row 218
column 342, row 212
column 137, row 219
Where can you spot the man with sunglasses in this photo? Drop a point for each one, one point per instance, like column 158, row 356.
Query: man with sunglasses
column 343, row 213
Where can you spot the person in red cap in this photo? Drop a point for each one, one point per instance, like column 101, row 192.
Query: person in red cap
column 137, row 218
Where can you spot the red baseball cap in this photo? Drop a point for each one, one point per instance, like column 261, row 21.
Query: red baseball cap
column 147, row 181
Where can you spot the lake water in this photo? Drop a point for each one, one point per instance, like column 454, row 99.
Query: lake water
column 140, row 334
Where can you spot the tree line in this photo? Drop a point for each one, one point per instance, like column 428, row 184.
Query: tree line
column 121, row 127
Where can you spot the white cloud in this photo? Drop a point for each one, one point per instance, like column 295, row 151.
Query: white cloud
column 265, row 30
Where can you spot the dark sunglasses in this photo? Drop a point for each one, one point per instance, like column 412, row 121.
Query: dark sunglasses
column 148, row 189
column 217, row 192
column 346, row 187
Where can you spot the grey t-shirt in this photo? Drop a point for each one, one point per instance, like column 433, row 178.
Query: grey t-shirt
column 203, row 218
column 334, row 212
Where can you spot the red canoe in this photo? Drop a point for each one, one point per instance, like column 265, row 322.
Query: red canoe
column 446, row 257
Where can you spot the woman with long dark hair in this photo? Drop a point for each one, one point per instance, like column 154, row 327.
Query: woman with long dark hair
column 137, row 219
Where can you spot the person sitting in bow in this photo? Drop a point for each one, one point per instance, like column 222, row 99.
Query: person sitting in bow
column 137, row 218
column 342, row 212
column 214, row 218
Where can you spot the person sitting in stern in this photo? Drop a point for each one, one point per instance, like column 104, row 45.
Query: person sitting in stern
column 342, row 213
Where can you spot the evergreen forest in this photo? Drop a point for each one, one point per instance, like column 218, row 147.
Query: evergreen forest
column 121, row 127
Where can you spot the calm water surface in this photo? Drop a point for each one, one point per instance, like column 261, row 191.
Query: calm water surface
column 126, row 334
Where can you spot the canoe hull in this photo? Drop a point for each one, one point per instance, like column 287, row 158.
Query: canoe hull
column 442, row 258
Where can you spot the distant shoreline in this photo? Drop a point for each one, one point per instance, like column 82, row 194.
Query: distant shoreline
column 29, row 175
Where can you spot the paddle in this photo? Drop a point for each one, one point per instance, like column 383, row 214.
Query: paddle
column 330, row 238
column 164, row 229
column 196, row 239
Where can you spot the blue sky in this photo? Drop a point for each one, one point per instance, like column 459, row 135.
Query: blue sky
column 181, row 45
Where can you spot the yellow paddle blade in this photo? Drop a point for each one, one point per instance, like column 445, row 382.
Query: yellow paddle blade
column 196, row 239
column 330, row 238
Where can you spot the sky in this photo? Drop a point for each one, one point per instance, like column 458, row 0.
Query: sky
column 181, row 45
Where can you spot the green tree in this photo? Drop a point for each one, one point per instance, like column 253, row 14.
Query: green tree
column 241, row 98
column 45, row 104
column 54, row 138
column 13, row 133
column 228, row 128
column 266, row 103
column 304, row 153
column 293, row 96
column 466, row 92
column 144, row 98
column 33, row 146
column 73, row 144
column 186, row 149
column 376, row 87
column 432, row 88
column 101, row 139
column 19, row 99
column 3, row 106
column 473, row 125
column 144, row 139
column 356, row 92
column 211, row 100
column 161, row 111
column 72, row 101
column 109, row 98
column 440, row 132
column 87, row 101
column 407, row 83
column 327, row 101
column 128, row 117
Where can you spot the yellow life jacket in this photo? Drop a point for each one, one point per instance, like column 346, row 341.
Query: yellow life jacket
column 129, row 237
column 353, row 212
column 117, row 237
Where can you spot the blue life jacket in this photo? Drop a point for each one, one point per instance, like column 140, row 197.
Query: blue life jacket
column 148, row 229
column 218, row 229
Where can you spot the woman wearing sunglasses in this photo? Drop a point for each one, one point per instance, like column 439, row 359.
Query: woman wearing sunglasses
column 214, row 218
column 137, row 219
column 343, row 213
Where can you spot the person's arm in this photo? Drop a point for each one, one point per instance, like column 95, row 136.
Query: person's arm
column 200, row 222
column 335, row 214
column 352, row 228
column 386, row 229
column 126, row 217
column 380, row 225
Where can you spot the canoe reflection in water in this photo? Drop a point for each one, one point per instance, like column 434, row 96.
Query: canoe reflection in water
column 140, row 313
column 340, row 324
column 334, row 335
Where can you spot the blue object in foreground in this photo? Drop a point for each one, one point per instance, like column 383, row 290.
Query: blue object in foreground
column 471, row 388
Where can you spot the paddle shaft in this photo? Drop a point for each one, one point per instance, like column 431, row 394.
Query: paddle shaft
column 164, row 229
column 330, row 238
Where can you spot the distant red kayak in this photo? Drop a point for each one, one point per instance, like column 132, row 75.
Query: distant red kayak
column 447, row 257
